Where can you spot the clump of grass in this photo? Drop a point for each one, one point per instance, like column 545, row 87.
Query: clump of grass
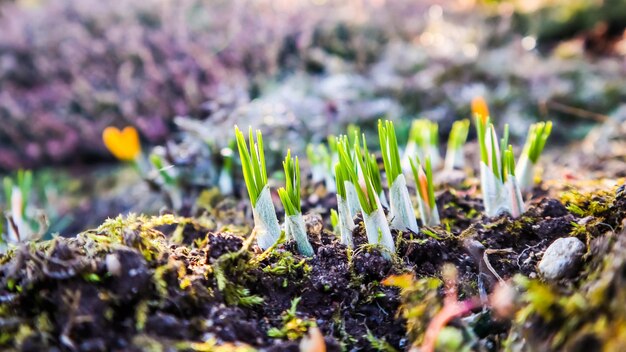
column 400, row 207
column 266, row 225
column 423, row 175
column 536, row 139
column 290, row 197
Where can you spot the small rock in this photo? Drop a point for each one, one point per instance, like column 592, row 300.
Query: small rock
column 562, row 258
column 314, row 224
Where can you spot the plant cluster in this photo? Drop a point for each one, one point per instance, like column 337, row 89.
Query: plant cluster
column 23, row 221
column 423, row 142
column 500, row 186
column 359, row 185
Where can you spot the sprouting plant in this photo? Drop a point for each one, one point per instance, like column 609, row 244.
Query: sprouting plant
column 290, row 197
column 423, row 141
column 377, row 181
column 501, row 192
column 23, row 222
column 456, row 140
column 255, row 175
column 423, row 175
column 495, row 199
column 225, row 179
column 400, row 207
column 334, row 220
column 376, row 225
column 511, row 183
column 317, row 155
column 538, row 134
column 346, row 222
column 350, row 164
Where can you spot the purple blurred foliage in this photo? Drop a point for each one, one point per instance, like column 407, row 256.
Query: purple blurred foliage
column 69, row 68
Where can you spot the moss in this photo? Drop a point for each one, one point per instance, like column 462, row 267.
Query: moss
column 293, row 327
column 583, row 204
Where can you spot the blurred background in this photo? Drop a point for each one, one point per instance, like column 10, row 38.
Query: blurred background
column 183, row 73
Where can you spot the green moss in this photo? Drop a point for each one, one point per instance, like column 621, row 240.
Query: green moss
column 293, row 327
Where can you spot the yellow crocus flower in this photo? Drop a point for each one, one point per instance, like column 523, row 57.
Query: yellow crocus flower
column 123, row 144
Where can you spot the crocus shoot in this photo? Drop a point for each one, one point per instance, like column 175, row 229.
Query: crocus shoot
column 423, row 141
column 321, row 161
column 376, row 225
column 538, row 134
column 456, row 140
column 351, row 195
column 266, row 224
column 346, row 222
column 225, row 179
column 22, row 224
column 495, row 198
column 511, row 184
column 400, row 207
column 370, row 161
column 423, row 175
column 290, row 197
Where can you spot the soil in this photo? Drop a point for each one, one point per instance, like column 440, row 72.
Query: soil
column 140, row 283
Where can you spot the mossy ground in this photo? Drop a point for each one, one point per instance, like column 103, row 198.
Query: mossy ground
column 163, row 283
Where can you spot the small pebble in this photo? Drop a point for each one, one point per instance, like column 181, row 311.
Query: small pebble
column 113, row 264
column 562, row 259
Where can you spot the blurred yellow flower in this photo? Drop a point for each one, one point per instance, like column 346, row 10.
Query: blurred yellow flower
column 123, row 144
column 479, row 107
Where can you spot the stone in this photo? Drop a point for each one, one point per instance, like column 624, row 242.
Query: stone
column 562, row 258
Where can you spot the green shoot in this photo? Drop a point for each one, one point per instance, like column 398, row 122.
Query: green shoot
column 253, row 163
column 290, row 194
column 334, row 219
column 494, row 157
column 389, row 149
column 458, row 134
column 508, row 163
column 372, row 164
column 341, row 175
column 158, row 164
column 424, row 133
column 481, row 129
column 317, row 154
column 332, row 144
column 368, row 197
column 354, row 131
column 538, row 134
column 423, row 175
column 227, row 156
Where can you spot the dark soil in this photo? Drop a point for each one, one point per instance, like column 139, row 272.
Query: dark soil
column 136, row 283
